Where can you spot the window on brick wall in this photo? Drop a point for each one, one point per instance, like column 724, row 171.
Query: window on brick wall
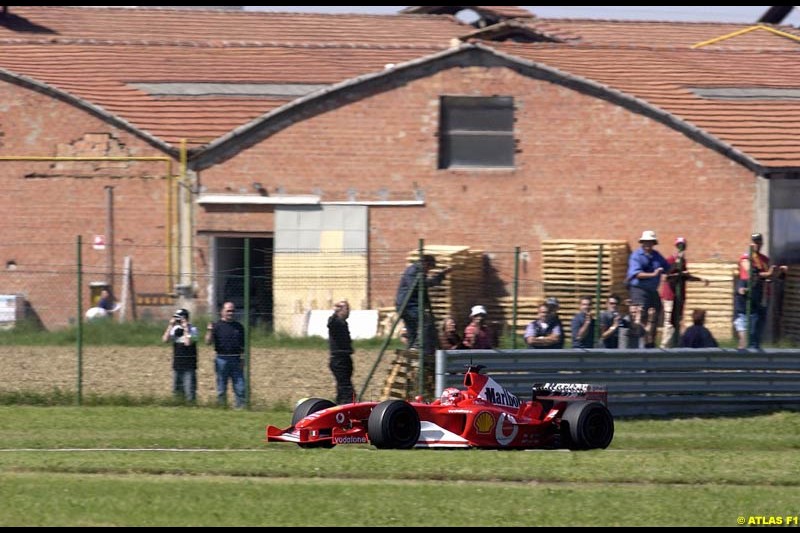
column 476, row 132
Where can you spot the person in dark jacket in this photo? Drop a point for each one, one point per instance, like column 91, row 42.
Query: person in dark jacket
column 409, row 288
column 341, row 349
column 183, row 336
column 698, row 335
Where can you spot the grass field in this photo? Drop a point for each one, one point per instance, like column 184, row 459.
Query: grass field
column 177, row 466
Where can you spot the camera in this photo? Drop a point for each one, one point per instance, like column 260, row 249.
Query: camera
column 177, row 332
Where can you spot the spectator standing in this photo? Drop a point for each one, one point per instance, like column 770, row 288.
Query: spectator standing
column 449, row 339
column 698, row 335
column 543, row 333
column 755, row 272
column 228, row 337
column 583, row 325
column 635, row 335
column 478, row 334
column 341, row 351
column 645, row 267
column 673, row 293
column 611, row 320
column 554, row 320
column 183, row 335
column 410, row 315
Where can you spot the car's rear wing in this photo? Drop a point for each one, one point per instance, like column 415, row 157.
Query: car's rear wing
column 571, row 391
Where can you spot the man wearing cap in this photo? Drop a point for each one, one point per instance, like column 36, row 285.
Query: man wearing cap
column 673, row 294
column 183, row 336
column 645, row 267
column 408, row 293
column 477, row 334
column 754, row 273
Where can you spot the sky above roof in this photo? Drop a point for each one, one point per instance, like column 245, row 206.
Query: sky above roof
column 686, row 13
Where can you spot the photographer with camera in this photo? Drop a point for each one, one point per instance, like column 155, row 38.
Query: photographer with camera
column 184, row 355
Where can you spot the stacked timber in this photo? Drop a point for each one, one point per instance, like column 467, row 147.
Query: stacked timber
column 463, row 285
column 503, row 313
column 403, row 379
column 716, row 298
column 790, row 317
column 572, row 269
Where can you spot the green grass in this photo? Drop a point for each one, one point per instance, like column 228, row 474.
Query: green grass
column 656, row 472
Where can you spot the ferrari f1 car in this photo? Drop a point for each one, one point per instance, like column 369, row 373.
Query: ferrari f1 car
column 483, row 415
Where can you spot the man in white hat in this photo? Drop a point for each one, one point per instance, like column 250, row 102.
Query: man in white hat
column 645, row 267
column 477, row 334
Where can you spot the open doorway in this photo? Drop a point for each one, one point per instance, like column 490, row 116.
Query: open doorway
column 229, row 272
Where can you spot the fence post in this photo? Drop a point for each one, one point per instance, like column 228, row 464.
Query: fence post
column 79, row 337
column 247, row 321
column 598, row 295
column 421, row 324
column 514, row 303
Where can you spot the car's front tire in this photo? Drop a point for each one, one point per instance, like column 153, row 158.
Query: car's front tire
column 305, row 408
column 393, row 424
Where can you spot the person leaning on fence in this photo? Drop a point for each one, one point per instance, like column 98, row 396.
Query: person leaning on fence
column 755, row 263
column 183, row 335
column 449, row 339
column 611, row 320
column 673, row 293
column 228, row 337
column 554, row 320
column 341, row 351
column 478, row 334
column 543, row 333
column 698, row 335
column 645, row 267
column 410, row 315
column 582, row 325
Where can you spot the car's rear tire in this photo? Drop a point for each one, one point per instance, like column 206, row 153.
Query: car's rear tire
column 305, row 408
column 586, row 425
column 393, row 424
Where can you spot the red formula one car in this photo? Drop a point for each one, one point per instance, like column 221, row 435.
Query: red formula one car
column 483, row 415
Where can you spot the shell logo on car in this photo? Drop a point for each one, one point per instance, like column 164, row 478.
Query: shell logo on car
column 484, row 422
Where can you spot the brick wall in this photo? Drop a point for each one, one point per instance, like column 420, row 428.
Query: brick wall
column 585, row 168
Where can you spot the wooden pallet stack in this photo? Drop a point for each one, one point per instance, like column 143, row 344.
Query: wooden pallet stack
column 502, row 312
column 402, row 381
column 790, row 315
column 462, row 287
column 716, row 298
column 570, row 271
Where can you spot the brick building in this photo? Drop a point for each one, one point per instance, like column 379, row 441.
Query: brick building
column 335, row 142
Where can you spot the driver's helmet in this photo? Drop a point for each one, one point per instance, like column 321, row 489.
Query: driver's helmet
column 451, row 396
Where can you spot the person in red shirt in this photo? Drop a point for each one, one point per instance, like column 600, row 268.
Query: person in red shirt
column 673, row 293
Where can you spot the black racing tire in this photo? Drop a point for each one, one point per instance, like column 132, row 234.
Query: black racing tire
column 305, row 408
column 393, row 424
column 586, row 425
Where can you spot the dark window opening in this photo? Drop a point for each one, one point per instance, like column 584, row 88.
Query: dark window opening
column 476, row 132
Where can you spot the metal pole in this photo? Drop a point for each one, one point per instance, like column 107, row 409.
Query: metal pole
column 79, row 341
column 421, row 318
column 110, row 238
column 247, row 321
column 598, row 294
column 514, row 304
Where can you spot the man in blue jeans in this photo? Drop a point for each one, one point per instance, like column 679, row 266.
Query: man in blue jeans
column 228, row 337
